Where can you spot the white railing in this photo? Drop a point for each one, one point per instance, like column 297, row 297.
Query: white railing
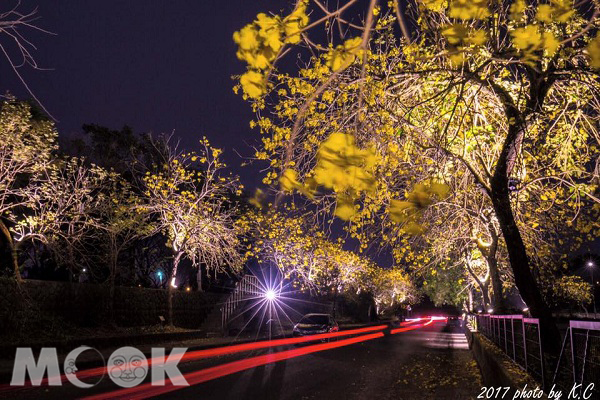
column 519, row 337
column 248, row 287
column 581, row 368
column 577, row 366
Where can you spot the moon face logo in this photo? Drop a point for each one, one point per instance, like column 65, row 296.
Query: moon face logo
column 127, row 367
column 71, row 370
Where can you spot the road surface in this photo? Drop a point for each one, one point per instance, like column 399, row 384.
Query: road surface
column 422, row 362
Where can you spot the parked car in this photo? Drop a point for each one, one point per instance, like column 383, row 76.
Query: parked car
column 312, row 324
column 454, row 321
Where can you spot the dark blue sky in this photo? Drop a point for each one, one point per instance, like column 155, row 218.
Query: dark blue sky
column 155, row 65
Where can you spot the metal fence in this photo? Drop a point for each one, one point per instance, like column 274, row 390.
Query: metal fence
column 579, row 362
column 248, row 287
column 578, row 365
column 518, row 337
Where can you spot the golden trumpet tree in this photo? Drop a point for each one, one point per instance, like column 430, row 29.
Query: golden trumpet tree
column 303, row 254
column 505, row 96
column 191, row 202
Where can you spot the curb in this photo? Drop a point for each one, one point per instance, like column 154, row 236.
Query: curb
column 497, row 369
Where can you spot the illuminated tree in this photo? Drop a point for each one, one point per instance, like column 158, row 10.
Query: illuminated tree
column 26, row 147
column 62, row 205
column 572, row 291
column 390, row 287
column 72, row 208
column 192, row 205
column 502, row 95
column 449, row 285
column 461, row 240
column 303, row 254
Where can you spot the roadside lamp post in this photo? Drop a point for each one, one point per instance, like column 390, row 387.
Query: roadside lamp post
column 591, row 266
column 270, row 295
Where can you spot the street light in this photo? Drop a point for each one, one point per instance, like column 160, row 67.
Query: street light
column 270, row 295
column 591, row 266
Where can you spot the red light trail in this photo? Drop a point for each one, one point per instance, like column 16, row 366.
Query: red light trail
column 193, row 378
column 412, row 327
column 146, row 390
column 220, row 351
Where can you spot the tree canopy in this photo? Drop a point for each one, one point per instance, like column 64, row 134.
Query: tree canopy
column 475, row 118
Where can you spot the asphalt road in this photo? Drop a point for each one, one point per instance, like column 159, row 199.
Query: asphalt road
column 431, row 362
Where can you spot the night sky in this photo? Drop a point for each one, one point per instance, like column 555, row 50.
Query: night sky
column 154, row 65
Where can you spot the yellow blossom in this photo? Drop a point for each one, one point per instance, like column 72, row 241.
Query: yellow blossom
column 529, row 40
column 556, row 11
column 269, row 31
column 434, row 5
column 253, row 83
column 247, row 39
column 517, row 9
column 294, row 23
column 469, row 9
column 344, row 55
column 342, row 166
column 289, row 180
column 345, row 208
column 593, row 49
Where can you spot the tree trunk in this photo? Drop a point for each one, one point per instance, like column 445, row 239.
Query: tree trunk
column 170, row 304
column 519, row 262
column 485, row 296
column 492, row 262
column 498, row 299
column 482, row 285
column 500, row 197
column 111, row 299
column 170, row 288
column 199, row 278
column 111, row 281
column 14, row 259
column 471, row 300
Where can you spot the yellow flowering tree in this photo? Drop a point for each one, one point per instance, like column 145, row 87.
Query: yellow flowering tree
column 504, row 97
column 262, row 42
column 305, row 256
column 190, row 200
